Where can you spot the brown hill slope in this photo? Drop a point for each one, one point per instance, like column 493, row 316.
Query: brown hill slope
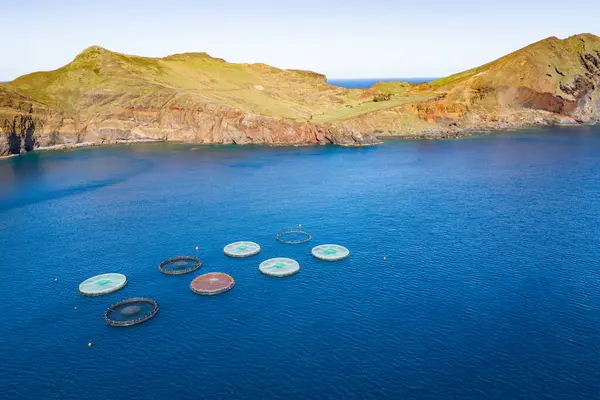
column 103, row 96
column 551, row 81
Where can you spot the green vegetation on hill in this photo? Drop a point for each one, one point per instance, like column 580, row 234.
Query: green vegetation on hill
column 549, row 81
column 100, row 74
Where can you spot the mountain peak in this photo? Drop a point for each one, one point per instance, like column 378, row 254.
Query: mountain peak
column 95, row 49
column 93, row 52
column 584, row 36
column 192, row 56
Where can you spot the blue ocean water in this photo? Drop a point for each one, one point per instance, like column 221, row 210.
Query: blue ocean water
column 367, row 83
column 490, row 289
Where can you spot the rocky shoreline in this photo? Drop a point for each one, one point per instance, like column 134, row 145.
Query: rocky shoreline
column 466, row 132
column 439, row 135
column 104, row 97
column 71, row 146
column 33, row 130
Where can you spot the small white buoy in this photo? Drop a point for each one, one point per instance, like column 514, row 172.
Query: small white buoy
column 299, row 225
column 75, row 308
column 55, row 279
column 384, row 257
column 196, row 248
column 90, row 344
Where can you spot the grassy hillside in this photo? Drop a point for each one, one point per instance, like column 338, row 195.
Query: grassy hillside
column 547, row 82
column 99, row 77
column 537, row 66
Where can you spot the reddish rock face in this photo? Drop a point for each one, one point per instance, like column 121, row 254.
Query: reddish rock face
column 222, row 125
column 436, row 111
column 528, row 98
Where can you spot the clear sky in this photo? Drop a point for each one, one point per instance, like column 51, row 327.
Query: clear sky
column 343, row 39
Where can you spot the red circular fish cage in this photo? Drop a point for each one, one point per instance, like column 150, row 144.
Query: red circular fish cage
column 212, row 283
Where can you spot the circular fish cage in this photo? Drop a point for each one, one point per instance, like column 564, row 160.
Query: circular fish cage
column 241, row 249
column 131, row 312
column 100, row 285
column 295, row 236
column 212, row 283
column 179, row 265
column 330, row 252
column 279, row 267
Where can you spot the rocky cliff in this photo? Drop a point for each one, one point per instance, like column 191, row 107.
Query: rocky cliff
column 549, row 82
column 103, row 96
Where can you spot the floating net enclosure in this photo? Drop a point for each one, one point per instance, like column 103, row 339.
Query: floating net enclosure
column 100, row 285
column 279, row 267
column 131, row 312
column 241, row 249
column 330, row 252
column 212, row 283
column 294, row 236
column 179, row 265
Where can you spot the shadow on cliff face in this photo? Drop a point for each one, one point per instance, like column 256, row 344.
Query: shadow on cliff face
column 528, row 98
column 581, row 89
column 18, row 135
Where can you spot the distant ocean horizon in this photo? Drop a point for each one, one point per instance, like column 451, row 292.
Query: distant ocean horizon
column 364, row 83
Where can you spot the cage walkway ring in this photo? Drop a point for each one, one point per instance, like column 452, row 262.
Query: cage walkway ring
column 287, row 236
column 177, row 265
column 131, row 312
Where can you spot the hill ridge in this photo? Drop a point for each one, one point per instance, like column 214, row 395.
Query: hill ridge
column 103, row 95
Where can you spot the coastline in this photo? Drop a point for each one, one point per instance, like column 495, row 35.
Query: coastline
column 517, row 91
column 67, row 146
column 466, row 132
column 440, row 135
column 71, row 146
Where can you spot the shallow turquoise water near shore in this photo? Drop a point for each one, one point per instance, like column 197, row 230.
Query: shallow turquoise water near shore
column 490, row 289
